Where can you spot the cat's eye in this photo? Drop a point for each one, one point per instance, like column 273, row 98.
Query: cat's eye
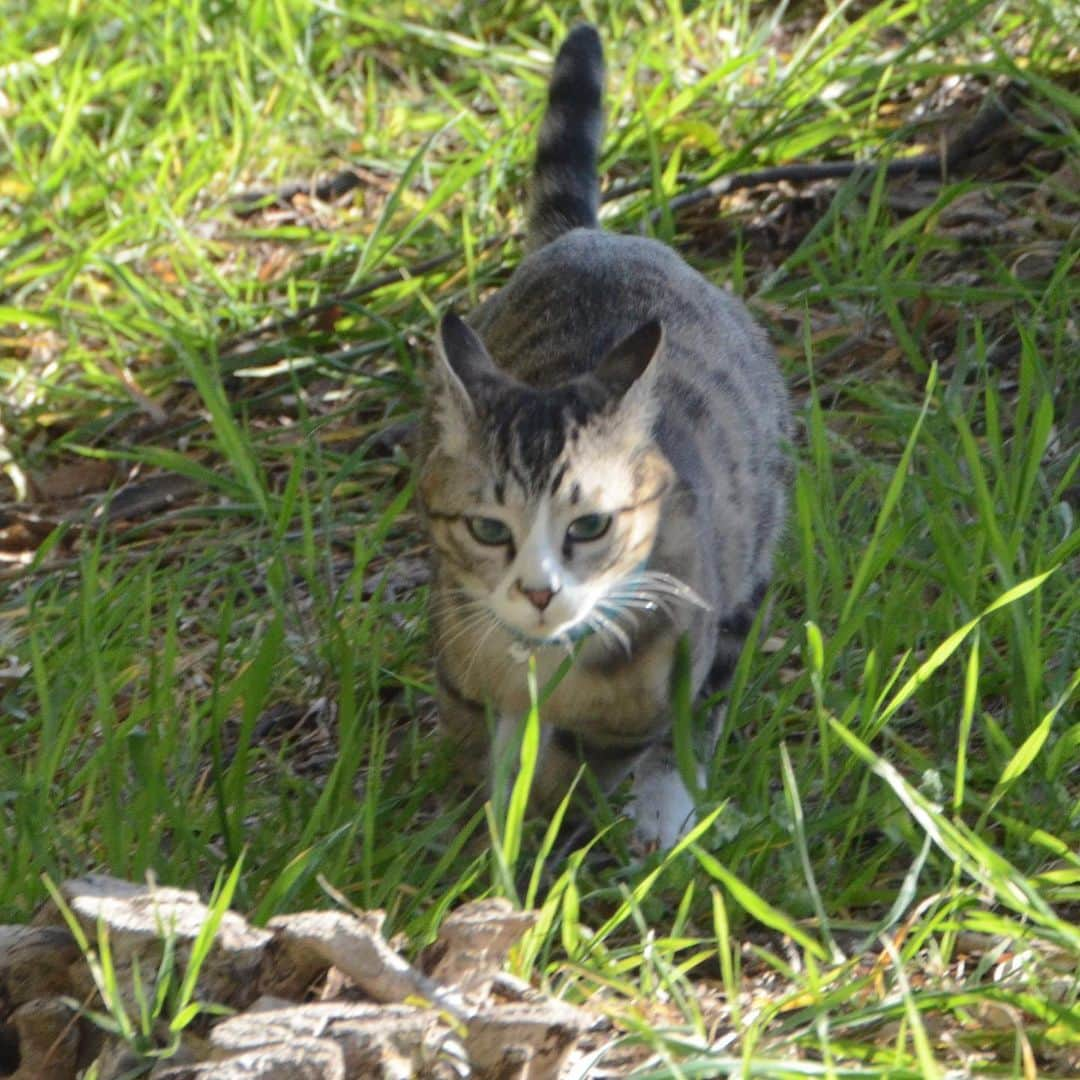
column 487, row 530
column 588, row 527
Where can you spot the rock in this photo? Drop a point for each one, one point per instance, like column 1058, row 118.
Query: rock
column 473, row 943
column 138, row 917
column 456, row 1015
column 289, row 968
column 299, row 1059
column 35, row 962
column 375, row 1040
column 356, row 947
column 48, row 1036
column 530, row 1040
column 120, row 1062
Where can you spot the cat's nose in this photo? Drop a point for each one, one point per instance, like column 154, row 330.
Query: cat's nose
column 539, row 598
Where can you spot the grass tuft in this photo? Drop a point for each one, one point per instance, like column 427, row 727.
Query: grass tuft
column 212, row 584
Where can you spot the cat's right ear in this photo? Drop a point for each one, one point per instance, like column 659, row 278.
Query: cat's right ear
column 463, row 373
column 466, row 363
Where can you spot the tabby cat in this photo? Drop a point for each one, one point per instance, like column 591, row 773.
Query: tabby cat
column 601, row 468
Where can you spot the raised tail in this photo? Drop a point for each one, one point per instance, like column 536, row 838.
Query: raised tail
column 565, row 192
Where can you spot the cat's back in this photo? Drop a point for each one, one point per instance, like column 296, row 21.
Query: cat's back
column 567, row 304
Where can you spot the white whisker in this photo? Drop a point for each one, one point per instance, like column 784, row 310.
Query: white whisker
column 612, row 628
column 479, row 648
column 643, row 600
column 452, row 601
column 453, row 616
column 593, row 626
column 668, row 583
column 617, row 612
column 469, row 624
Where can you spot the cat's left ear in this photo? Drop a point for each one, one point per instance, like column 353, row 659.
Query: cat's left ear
column 467, row 365
column 628, row 363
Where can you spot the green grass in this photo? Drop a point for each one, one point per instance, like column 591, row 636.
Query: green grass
column 891, row 886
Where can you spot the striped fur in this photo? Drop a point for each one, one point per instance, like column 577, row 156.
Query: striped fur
column 601, row 467
column 565, row 191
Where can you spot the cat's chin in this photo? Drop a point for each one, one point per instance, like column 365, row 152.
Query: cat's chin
column 566, row 635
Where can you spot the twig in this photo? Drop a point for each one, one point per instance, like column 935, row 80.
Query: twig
column 341, row 183
column 621, row 189
column 392, row 277
column 992, row 113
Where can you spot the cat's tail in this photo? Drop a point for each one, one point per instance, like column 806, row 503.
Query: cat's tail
column 565, row 192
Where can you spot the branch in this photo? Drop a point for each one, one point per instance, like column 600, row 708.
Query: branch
column 251, row 202
column 992, row 113
column 392, row 277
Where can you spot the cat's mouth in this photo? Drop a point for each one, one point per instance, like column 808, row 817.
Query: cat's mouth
column 564, row 636
column 568, row 634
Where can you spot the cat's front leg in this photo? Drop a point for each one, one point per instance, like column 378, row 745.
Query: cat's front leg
column 660, row 805
column 555, row 768
column 464, row 725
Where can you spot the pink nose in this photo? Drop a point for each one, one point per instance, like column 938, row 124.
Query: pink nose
column 539, row 598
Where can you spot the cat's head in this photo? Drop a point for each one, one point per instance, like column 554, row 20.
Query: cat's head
column 544, row 503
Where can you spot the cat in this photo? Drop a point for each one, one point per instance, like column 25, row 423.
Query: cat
column 601, row 467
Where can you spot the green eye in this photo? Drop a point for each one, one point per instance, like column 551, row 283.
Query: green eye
column 588, row 527
column 487, row 530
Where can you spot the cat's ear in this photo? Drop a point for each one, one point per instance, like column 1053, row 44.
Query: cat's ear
column 466, row 363
column 627, row 363
column 464, row 372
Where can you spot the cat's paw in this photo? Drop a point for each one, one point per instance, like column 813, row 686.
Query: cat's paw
column 662, row 809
